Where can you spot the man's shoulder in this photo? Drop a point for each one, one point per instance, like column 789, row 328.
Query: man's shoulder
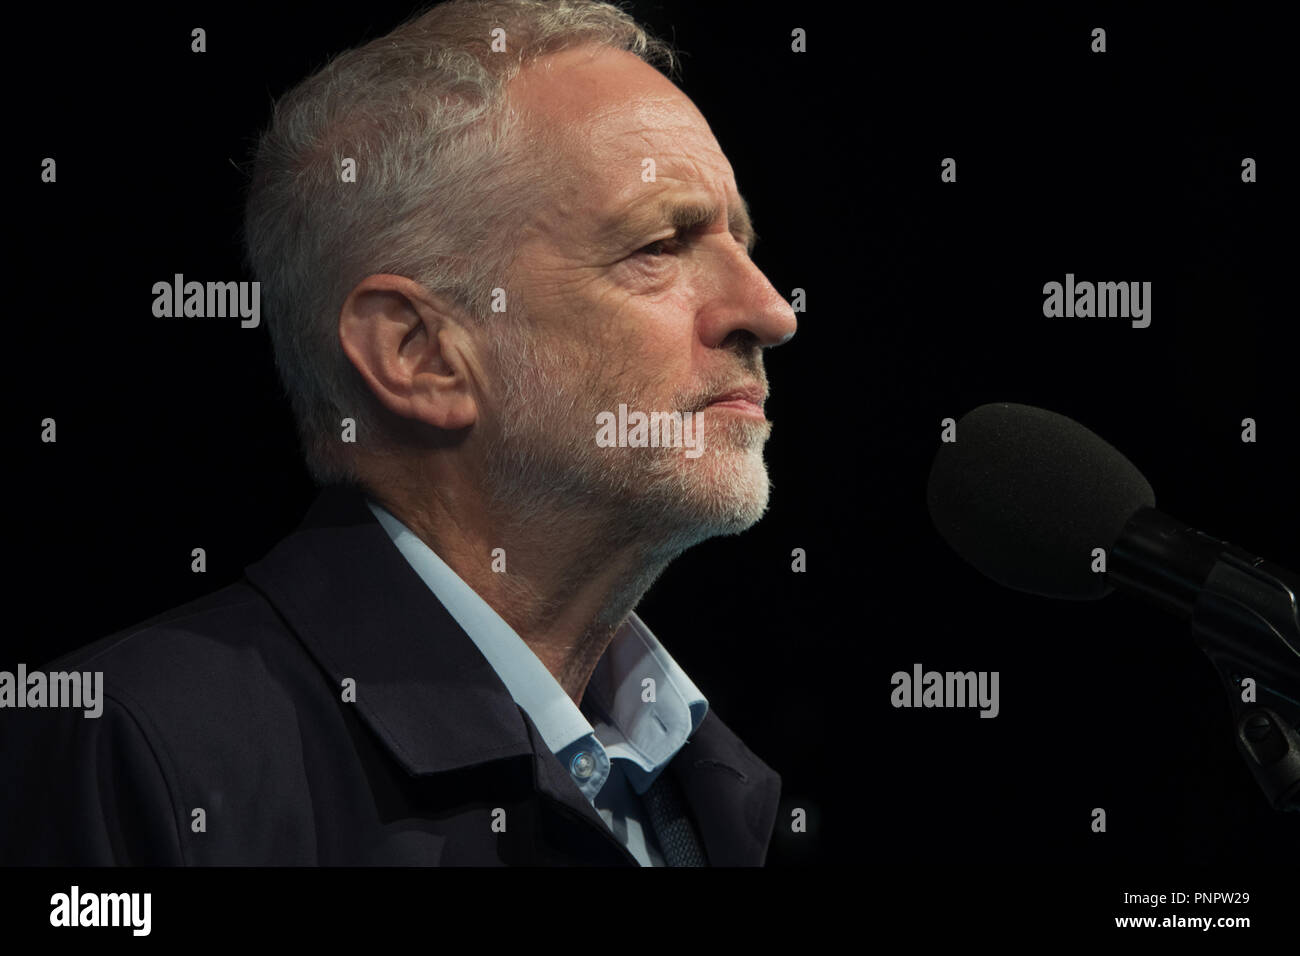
column 224, row 635
column 222, row 665
column 207, row 706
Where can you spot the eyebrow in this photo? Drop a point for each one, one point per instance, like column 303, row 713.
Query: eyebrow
column 685, row 215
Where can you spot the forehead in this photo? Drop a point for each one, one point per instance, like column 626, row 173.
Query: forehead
column 605, row 112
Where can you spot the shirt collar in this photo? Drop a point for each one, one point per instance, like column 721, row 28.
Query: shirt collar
column 645, row 733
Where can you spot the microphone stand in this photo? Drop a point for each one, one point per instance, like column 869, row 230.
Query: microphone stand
column 1230, row 625
column 1243, row 614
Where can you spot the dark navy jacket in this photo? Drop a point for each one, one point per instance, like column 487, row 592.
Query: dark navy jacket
column 233, row 704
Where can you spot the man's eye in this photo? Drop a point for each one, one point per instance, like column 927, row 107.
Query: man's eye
column 661, row 247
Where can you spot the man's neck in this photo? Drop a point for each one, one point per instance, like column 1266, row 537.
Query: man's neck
column 564, row 583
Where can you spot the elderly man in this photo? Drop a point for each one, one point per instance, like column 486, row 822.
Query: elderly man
column 484, row 239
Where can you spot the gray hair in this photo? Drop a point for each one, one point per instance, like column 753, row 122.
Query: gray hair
column 442, row 181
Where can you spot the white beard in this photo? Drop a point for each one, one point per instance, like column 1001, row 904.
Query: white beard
column 547, row 463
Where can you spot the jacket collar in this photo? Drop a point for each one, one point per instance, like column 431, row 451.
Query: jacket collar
column 432, row 698
column 364, row 614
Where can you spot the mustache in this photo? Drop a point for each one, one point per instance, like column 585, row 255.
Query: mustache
column 696, row 399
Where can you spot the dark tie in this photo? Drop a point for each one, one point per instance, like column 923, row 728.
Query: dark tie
column 672, row 826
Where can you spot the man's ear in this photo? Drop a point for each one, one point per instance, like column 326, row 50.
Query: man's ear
column 411, row 348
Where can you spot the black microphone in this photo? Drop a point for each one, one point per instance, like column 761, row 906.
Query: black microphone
column 1040, row 504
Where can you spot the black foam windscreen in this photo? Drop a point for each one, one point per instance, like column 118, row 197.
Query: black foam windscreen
column 1025, row 495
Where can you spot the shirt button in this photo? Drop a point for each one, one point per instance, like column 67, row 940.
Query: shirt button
column 582, row 765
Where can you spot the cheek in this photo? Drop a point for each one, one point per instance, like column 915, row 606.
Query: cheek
column 641, row 331
column 660, row 329
column 651, row 352
column 666, row 317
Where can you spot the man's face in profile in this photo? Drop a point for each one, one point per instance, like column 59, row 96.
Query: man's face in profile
column 624, row 305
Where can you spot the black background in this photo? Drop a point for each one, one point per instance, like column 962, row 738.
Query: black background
column 924, row 300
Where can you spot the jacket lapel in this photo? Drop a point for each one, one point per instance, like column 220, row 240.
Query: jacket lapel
column 733, row 796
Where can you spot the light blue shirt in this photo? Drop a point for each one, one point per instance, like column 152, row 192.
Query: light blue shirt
column 615, row 745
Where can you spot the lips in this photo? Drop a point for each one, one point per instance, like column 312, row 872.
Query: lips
column 754, row 394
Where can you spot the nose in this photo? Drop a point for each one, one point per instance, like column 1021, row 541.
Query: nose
column 743, row 300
